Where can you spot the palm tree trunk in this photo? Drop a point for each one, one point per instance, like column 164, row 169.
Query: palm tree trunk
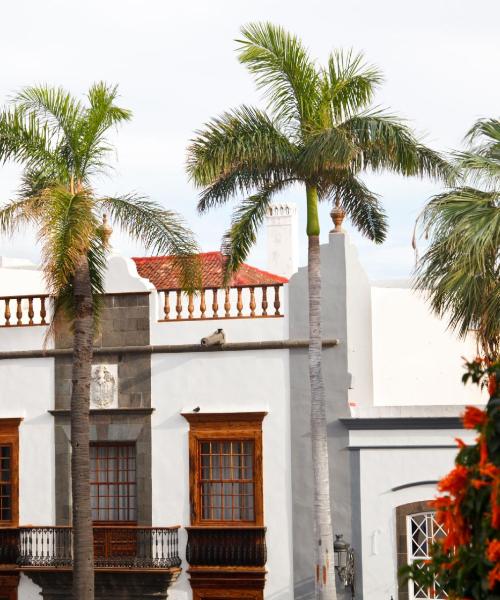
column 323, row 534
column 83, row 543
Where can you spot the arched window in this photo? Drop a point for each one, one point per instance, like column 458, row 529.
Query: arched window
column 417, row 529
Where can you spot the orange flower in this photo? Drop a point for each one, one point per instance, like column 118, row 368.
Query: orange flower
column 478, row 483
column 489, row 470
column 493, row 551
column 455, row 482
column 495, row 504
column 494, row 576
column 461, row 444
column 492, row 384
column 483, row 451
column 473, row 417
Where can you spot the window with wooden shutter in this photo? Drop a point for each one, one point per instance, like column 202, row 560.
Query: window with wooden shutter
column 113, row 483
column 9, row 472
column 226, row 469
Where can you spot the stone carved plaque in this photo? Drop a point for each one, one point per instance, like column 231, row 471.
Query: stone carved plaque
column 104, row 386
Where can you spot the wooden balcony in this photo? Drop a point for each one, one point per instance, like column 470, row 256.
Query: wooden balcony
column 226, row 547
column 23, row 311
column 115, row 548
column 238, row 302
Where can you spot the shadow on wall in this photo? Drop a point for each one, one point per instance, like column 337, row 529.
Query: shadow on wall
column 304, row 590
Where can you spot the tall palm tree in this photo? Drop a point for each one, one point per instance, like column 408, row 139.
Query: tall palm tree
column 460, row 270
column 63, row 145
column 318, row 131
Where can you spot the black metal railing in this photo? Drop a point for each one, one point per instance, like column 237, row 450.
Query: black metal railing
column 9, row 546
column 114, row 547
column 226, row 547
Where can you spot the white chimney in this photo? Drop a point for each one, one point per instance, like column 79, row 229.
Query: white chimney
column 282, row 242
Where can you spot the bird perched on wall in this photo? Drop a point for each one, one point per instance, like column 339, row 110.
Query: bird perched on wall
column 197, row 409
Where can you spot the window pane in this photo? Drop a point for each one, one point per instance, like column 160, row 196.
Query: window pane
column 226, row 487
column 113, row 482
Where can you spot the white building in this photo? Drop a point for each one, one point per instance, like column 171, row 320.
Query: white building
column 215, row 439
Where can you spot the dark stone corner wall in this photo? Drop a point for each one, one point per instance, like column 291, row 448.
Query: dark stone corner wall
column 344, row 465
column 124, row 322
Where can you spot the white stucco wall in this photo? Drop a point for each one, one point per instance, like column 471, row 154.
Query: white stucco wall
column 224, row 382
column 380, row 471
column 27, row 391
column 416, row 360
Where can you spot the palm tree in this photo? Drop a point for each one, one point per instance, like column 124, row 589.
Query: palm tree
column 319, row 132
column 460, row 270
column 62, row 145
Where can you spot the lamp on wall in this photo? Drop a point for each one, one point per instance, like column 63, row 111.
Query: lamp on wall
column 344, row 562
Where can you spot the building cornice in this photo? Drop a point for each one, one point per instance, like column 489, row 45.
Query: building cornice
column 105, row 411
column 170, row 349
column 391, row 423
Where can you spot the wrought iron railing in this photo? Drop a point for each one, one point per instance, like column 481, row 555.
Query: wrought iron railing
column 23, row 311
column 9, row 546
column 114, row 547
column 226, row 547
column 238, row 302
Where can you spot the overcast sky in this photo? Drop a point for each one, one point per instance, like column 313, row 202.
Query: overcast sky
column 176, row 67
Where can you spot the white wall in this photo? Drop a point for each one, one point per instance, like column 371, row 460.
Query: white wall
column 27, row 391
column 416, row 360
column 380, row 471
column 224, row 382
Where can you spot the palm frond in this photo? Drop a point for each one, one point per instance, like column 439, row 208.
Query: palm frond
column 27, row 141
column 246, row 138
column 282, row 68
column 361, row 205
column 160, row 231
column 460, row 271
column 351, row 83
column 247, row 218
column 101, row 115
column 67, row 233
column 240, row 181
column 18, row 213
column 329, row 148
column 386, row 142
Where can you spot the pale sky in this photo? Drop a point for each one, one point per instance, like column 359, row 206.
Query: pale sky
column 176, row 67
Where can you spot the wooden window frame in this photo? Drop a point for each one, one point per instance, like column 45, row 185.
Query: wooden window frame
column 117, row 522
column 9, row 583
column 9, row 436
column 217, row 427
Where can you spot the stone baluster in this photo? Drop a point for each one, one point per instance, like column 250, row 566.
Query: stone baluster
column 264, row 301
column 43, row 310
column 215, row 306
column 227, row 305
column 178, row 306
column 203, row 305
column 239, row 304
column 190, row 305
column 31, row 312
column 7, row 312
column 252, row 301
column 277, row 303
column 166, row 305
column 19, row 311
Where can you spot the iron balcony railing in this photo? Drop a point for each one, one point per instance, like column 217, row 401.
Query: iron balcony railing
column 114, row 547
column 226, row 547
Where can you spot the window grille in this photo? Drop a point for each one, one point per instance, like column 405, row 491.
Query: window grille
column 5, row 482
column 227, row 480
column 113, row 482
column 422, row 531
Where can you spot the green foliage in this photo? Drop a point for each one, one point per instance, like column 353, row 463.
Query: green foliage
column 466, row 561
column 63, row 144
column 319, row 131
column 460, row 271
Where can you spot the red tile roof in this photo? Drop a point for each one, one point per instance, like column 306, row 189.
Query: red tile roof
column 163, row 273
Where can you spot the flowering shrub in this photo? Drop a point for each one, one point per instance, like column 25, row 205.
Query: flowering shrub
column 466, row 561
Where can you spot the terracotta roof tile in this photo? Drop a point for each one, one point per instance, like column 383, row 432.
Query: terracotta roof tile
column 163, row 273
